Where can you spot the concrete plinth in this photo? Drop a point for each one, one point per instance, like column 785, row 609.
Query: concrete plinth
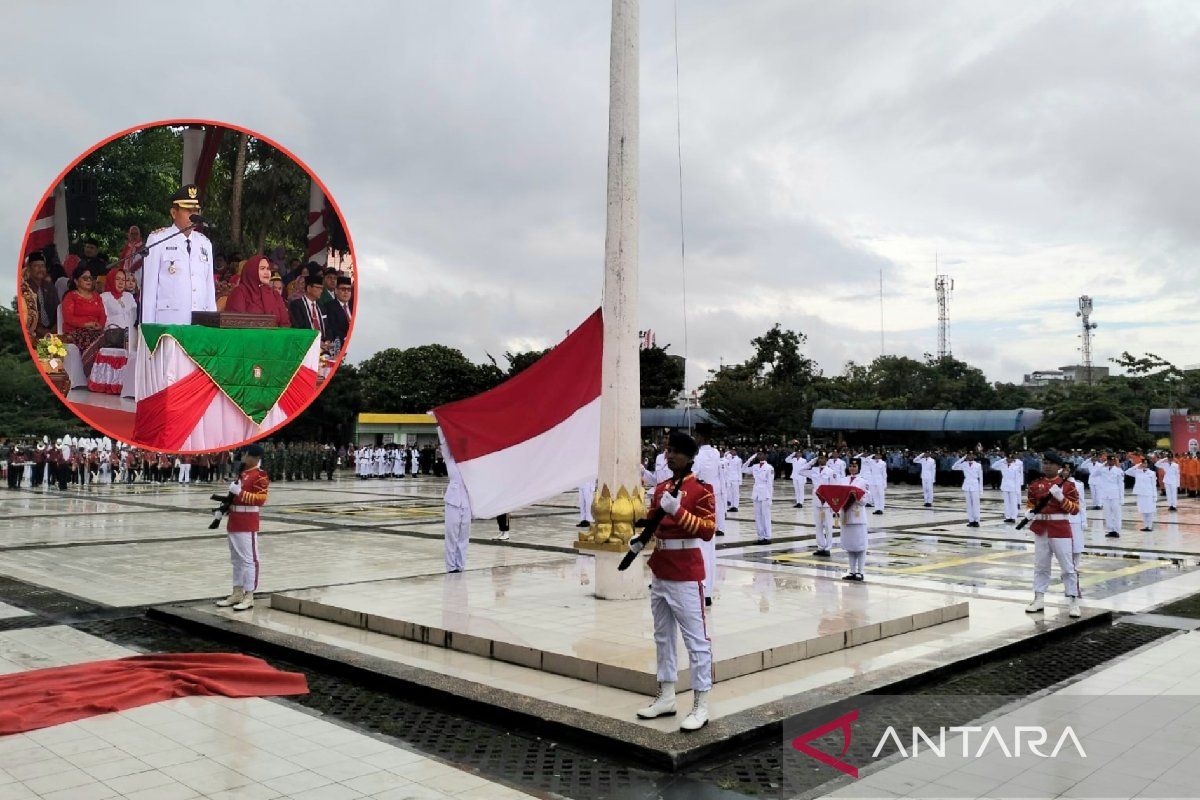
column 613, row 584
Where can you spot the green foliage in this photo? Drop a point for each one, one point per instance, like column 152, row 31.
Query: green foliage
column 137, row 174
column 661, row 377
column 332, row 416
column 1088, row 417
column 772, row 391
column 519, row 362
column 417, row 379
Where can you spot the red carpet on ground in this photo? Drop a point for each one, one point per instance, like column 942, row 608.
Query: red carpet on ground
column 114, row 422
column 44, row 697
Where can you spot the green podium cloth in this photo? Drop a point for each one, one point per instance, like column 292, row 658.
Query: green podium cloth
column 253, row 366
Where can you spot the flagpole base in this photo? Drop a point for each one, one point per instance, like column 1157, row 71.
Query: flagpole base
column 612, row 584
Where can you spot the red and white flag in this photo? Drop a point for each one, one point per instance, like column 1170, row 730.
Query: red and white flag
column 535, row 435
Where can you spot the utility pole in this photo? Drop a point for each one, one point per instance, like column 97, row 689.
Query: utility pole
column 943, row 285
column 1085, row 313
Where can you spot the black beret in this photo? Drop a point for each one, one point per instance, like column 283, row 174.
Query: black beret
column 255, row 450
column 331, row 271
column 344, row 280
column 680, row 442
column 313, row 280
column 1054, row 458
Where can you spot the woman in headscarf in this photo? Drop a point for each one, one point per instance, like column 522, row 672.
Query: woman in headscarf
column 120, row 310
column 254, row 295
column 120, row 307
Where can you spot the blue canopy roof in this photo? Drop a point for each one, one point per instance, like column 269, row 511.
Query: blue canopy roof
column 673, row 417
column 932, row 420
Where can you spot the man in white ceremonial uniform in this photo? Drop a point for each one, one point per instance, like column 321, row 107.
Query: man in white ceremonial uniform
column 1112, row 496
column 380, row 458
column 874, row 471
column 1169, row 468
column 362, row 461
column 1145, row 489
column 820, row 473
column 587, row 491
column 458, row 513
column 1012, row 479
column 414, row 464
column 837, row 464
column 1094, row 467
column 177, row 275
column 972, row 486
column 796, row 459
column 1078, row 522
column 762, row 494
column 733, row 482
column 928, row 466
column 708, row 470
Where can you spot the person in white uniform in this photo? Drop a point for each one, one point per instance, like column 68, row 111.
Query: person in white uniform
column 1078, row 526
column 733, row 482
column 972, row 486
column 1145, row 489
column 854, row 522
column 458, row 513
column 928, row 474
column 1169, row 468
column 177, row 275
column 1012, row 479
column 1111, row 485
column 587, row 491
column 796, row 459
column 820, row 473
column 873, row 469
column 708, row 469
column 836, row 463
column 762, row 494
column 1094, row 467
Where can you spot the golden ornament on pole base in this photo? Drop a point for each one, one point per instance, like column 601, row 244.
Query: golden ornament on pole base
column 608, row 540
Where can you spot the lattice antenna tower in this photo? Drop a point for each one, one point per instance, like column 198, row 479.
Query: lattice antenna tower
column 943, row 285
column 1085, row 347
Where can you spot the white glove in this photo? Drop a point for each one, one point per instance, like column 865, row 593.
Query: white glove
column 1056, row 492
column 669, row 503
column 1029, row 515
column 636, row 545
column 235, row 487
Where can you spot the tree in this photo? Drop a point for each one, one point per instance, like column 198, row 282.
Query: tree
column 519, row 362
column 417, row 379
column 237, row 181
column 333, row 415
column 1087, row 417
column 661, row 377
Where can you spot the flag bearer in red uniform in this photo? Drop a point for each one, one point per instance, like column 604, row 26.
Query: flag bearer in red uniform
column 1052, row 501
column 677, row 589
column 250, row 489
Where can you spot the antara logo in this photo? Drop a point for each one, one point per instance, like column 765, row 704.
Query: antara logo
column 1029, row 738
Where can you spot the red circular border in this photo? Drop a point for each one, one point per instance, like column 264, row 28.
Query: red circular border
column 29, row 344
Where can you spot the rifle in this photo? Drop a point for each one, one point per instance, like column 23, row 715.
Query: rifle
column 222, row 510
column 1037, row 509
column 648, row 526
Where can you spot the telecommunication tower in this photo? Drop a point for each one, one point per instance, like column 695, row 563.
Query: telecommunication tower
column 943, row 285
column 1085, row 314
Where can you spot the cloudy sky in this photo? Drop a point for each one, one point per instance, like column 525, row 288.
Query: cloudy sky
column 1041, row 150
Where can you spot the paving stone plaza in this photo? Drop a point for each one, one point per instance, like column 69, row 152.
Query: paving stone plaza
column 511, row 679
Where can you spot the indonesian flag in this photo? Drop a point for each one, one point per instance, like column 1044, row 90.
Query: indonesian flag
column 836, row 495
column 535, row 435
column 41, row 235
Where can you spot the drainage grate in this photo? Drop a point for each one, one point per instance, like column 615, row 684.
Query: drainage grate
column 1186, row 607
column 40, row 600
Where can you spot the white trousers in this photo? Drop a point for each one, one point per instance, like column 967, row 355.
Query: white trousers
column 823, row 522
column 1012, row 502
column 185, row 473
column 798, row 488
column 1043, row 547
column 585, row 503
column 762, row 519
column 927, row 490
column 458, row 536
column 1097, row 498
column 732, row 494
column 1112, row 512
column 679, row 605
column 243, row 555
column 880, row 493
column 972, row 499
column 709, row 549
column 1172, row 495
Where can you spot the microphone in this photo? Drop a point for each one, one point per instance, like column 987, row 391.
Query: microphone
column 197, row 220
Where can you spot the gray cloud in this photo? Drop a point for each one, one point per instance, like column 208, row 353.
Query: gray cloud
column 1043, row 150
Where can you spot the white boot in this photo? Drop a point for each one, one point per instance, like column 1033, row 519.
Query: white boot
column 663, row 705
column 699, row 716
column 1073, row 610
column 247, row 601
column 233, row 599
column 1036, row 605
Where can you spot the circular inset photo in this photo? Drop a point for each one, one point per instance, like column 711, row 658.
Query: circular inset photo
column 187, row 286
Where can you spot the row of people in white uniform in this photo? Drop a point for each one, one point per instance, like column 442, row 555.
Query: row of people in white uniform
column 380, row 462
